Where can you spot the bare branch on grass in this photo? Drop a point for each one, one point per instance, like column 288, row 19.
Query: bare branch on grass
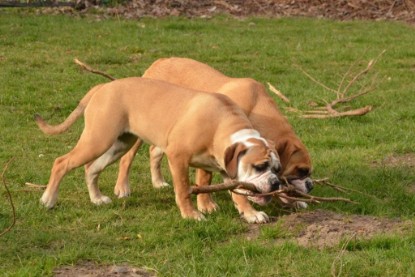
column 342, row 94
column 278, row 93
column 90, row 69
column 35, row 186
column 3, row 178
column 288, row 192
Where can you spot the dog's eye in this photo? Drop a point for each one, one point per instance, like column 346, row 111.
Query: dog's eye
column 261, row 167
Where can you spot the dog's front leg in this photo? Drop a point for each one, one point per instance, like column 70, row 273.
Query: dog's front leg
column 205, row 203
column 179, row 169
column 247, row 211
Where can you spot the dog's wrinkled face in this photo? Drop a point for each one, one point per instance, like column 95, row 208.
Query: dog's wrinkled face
column 298, row 175
column 254, row 161
column 297, row 165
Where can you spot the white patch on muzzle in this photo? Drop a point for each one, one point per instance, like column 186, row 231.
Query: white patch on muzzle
column 300, row 184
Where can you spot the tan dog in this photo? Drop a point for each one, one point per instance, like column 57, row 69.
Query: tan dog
column 261, row 110
column 193, row 129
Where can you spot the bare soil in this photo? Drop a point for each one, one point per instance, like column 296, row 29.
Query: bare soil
column 325, row 229
column 401, row 10
column 405, row 160
column 335, row 9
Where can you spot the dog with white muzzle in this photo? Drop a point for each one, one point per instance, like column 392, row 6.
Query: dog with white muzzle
column 193, row 128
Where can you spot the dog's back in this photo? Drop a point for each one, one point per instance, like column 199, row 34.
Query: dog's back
column 147, row 100
column 247, row 93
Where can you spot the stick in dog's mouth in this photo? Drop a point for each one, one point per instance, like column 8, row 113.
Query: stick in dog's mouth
column 247, row 189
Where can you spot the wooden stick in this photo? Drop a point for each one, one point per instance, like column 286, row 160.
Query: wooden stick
column 363, row 72
column 356, row 112
column 325, row 199
column 316, row 81
column 90, row 69
column 248, row 189
column 225, row 186
column 329, row 108
column 278, row 93
column 9, row 196
column 36, row 186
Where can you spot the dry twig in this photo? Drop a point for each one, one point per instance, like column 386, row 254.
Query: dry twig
column 329, row 110
column 325, row 181
column 278, row 93
column 35, row 186
column 3, row 178
column 225, row 186
column 90, row 69
column 247, row 189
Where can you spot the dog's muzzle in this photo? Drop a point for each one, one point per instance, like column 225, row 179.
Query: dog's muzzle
column 309, row 185
column 274, row 183
column 305, row 185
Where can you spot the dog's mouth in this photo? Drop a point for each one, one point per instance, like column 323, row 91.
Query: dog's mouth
column 304, row 185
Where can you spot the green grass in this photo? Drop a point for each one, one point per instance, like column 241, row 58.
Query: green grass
column 37, row 75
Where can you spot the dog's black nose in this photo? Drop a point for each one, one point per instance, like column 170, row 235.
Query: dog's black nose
column 275, row 183
column 309, row 185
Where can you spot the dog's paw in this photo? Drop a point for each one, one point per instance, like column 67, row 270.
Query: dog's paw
column 256, row 217
column 196, row 215
column 122, row 191
column 48, row 201
column 207, row 206
column 101, row 200
column 301, row 205
column 160, row 184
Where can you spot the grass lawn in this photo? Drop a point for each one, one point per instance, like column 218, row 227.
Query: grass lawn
column 37, row 75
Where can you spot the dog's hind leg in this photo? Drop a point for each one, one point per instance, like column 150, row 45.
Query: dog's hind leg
column 156, row 155
column 93, row 169
column 122, row 187
column 85, row 151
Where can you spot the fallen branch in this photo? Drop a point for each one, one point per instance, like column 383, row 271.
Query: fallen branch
column 9, row 196
column 328, row 110
column 36, row 186
column 248, row 189
column 225, row 186
column 278, row 93
column 325, row 182
column 90, row 69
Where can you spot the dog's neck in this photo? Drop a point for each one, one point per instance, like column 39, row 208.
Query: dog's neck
column 239, row 136
column 244, row 135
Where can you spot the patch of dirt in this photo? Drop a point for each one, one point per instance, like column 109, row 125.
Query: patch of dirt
column 323, row 229
column 403, row 10
column 90, row 269
column 400, row 160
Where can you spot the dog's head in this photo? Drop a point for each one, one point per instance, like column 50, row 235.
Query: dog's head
column 254, row 161
column 297, row 166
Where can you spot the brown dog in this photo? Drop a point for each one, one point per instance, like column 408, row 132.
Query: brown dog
column 193, row 128
column 261, row 110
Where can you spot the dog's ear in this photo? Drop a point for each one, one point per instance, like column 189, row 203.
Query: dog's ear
column 232, row 155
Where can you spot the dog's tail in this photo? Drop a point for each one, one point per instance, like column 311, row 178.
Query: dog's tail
column 70, row 120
